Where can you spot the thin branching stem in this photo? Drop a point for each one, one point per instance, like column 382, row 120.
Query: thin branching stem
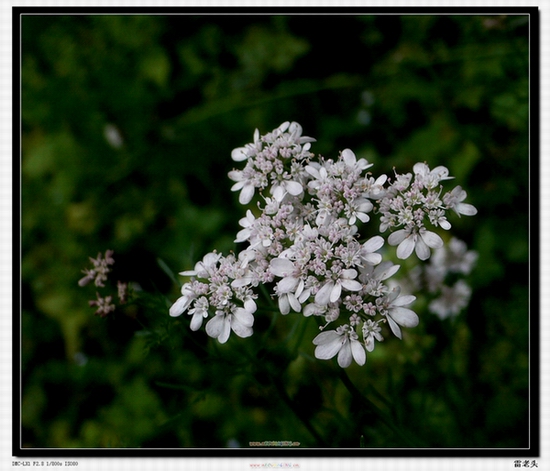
column 356, row 394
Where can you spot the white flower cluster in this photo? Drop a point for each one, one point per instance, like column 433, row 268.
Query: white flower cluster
column 304, row 243
column 442, row 279
column 453, row 260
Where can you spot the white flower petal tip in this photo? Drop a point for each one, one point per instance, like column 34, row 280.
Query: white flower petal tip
column 239, row 154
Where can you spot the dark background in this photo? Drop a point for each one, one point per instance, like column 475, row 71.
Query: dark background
column 181, row 92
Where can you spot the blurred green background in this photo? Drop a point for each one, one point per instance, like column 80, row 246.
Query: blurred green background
column 128, row 124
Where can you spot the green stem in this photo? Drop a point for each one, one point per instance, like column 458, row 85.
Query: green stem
column 279, row 387
column 304, row 419
column 373, row 408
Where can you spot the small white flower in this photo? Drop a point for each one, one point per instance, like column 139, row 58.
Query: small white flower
column 368, row 249
column 358, row 209
column 281, row 188
column 289, row 291
column 454, row 201
column 183, row 302
column 430, row 178
column 408, row 240
column 375, row 188
column 371, row 331
column 245, row 185
column 342, row 342
column 331, row 290
column 246, row 223
column 199, row 312
column 397, row 315
column 382, row 272
column 113, row 136
column 319, row 174
column 290, row 287
column 204, row 268
column 437, row 218
column 240, row 320
column 250, row 150
column 452, row 300
column 351, row 161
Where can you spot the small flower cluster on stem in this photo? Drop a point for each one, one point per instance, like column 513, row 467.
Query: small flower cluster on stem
column 99, row 273
column 442, row 278
column 305, row 241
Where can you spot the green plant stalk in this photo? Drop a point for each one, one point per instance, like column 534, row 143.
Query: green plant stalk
column 352, row 389
column 290, row 403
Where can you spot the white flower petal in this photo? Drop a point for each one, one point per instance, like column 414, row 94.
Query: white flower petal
column 328, row 346
column 404, row 300
column 394, row 327
column 421, row 249
column 196, row 321
column 405, row 248
column 215, row 326
column 311, row 309
column 225, row 331
column 444, row 224
column 369, row 343
column 442, row 173
column 349, row 157
column 326, row 336
column 304, row 296
column 281, row 267
column 397, row 237
column 284, row 304
column 242, row 235
column 246, row 194
column 243, row 316
column 373, row 244
column 349, row 274
column 243, row 281
column 351, row 285
column 238, row 186
column 459, row 193
column 299, row 288
column 236, row 176
column 364, row 205
column 294, row 303
column 248, row 220
column 466, row 209
column 335, row 292
column 240, row 329
column 288, row 284
column 283, row 127
column 250, row 305
column 278, row 193
column 344, row 355
column 210, row 259
column 404, row 316
column 294, row 188
column 179, row 307
column 313, row 171
column 432, row 239
column 358, row 352
column 372, row 258
column 323, row 295
column 362, row 217
column 239, row 154
column 421, row 168
column 385, row 270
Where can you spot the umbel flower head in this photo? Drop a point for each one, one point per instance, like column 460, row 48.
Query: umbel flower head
column 99, row 274
column 315, row 241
